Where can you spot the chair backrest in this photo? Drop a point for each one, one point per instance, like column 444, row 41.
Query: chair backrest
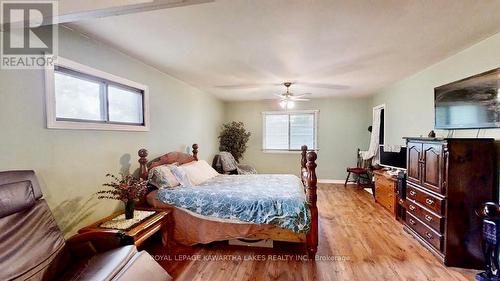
column 32, row 246
column 217, row 165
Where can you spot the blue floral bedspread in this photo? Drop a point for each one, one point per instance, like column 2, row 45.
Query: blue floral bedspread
column 278, row 200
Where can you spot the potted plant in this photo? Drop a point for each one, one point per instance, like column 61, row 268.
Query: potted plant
column 127, row 189
column 233, row 138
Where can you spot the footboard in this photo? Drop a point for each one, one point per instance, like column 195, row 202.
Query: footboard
column 309, row 180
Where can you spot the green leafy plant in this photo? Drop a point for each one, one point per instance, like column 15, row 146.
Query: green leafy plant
column 233, row 138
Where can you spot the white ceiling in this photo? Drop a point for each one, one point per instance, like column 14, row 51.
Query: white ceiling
column 361, row 46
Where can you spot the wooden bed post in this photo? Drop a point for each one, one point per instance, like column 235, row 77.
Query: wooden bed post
column 143, row 169
column 303, row 160
column 312, row 235
column 195, row 151
column 303, row 169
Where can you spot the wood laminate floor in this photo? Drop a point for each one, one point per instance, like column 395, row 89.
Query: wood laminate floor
column 359, row 240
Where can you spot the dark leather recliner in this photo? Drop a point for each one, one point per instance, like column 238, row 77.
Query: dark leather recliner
column 33, row 248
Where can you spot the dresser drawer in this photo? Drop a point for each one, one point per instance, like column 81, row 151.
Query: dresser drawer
column 425, row 199
column 425, row 232
column 385, row 193
column 429, row 218
column 380, row 179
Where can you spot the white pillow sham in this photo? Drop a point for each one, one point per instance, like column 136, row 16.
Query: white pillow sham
column 162, row 176
column 199, row 172
column 181, row 176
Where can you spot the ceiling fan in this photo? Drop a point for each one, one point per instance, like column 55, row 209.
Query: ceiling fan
column 288, row 99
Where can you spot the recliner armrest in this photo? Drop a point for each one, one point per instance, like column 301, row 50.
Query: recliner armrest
column 90, row 243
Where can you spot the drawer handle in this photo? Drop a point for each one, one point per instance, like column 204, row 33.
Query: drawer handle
column 413, row 193
column 428, row 218
column 412, row 222
column 429, row 201
column 428, row 235
column 412, row 208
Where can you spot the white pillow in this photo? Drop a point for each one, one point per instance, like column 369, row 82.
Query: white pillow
column 162, row 177
column 199, row 172
column 181, row 176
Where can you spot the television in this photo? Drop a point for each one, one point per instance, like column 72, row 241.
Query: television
column 470, row 103
column 395, row 160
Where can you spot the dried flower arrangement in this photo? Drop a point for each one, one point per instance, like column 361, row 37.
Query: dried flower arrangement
column 128, row 189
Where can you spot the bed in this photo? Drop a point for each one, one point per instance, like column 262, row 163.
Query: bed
column 276, row 207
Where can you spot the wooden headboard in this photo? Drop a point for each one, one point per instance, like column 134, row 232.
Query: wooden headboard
column 169, row 158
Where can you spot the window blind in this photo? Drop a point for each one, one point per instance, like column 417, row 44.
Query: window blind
column 289, row 131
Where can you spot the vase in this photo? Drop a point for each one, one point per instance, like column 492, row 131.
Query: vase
column 129, row 209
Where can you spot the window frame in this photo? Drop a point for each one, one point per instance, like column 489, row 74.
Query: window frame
column 84, row 72
column 290, row 112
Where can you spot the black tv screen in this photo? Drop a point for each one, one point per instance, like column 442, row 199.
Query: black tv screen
column 471, row 103
column 393, row 159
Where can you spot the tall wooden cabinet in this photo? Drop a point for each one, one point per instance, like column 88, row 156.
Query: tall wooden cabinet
column 447, row 180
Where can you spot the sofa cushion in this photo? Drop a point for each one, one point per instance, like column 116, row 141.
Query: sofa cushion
column 103, row 266
column 142, row 267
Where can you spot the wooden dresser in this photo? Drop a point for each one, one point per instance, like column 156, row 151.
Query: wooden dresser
column 447, row 180
column 385, row 190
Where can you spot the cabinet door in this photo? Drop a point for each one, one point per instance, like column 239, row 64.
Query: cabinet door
column 432, row 170
column 413, row 159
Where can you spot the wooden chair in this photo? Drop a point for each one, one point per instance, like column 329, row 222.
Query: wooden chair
column 361, row 172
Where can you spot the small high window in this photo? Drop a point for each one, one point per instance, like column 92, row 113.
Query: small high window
column 79, row 97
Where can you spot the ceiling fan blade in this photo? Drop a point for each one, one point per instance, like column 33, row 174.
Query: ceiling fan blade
column 302, row 95
column 323, row 85
column 299, row 99
column 279, row 95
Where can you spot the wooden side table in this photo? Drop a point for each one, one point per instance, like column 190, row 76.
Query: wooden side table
column 141, row 231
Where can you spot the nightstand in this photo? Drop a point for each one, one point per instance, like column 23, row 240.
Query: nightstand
column 147, row 222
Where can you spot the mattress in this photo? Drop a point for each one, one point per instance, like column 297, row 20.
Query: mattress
column 190, row 228
column 277, row 200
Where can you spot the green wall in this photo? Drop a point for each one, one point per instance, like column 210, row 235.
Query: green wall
column 410, row 102
column 71, row 164
column 342, row 128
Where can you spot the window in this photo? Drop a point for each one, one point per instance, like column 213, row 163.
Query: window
column 79, row 97
column 288, row 131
